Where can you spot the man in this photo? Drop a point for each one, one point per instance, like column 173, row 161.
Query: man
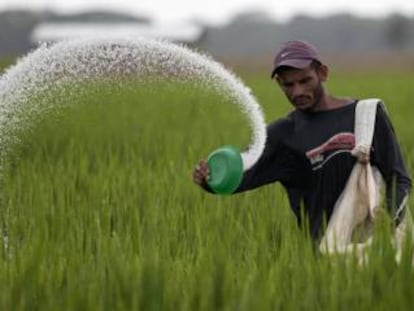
column 309, row 150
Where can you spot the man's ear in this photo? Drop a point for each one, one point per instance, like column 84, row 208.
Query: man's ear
column 323, row 72
column 277, row 79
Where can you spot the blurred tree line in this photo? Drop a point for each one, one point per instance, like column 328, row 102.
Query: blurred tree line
column 247, row 34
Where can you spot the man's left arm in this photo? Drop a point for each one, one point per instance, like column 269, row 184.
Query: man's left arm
column 386, row 155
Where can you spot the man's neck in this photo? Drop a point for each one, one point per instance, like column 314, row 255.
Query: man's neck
column 329, row 102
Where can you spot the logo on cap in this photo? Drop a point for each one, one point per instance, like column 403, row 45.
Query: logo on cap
column 296, row 54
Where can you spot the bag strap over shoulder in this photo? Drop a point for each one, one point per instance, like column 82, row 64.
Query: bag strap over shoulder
column 365, row 115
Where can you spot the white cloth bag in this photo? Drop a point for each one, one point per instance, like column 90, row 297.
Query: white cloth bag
column 360, row 200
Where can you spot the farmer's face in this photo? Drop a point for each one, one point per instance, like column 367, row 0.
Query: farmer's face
column 303, row 87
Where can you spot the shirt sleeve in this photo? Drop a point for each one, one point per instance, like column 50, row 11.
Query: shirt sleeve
column 386, row 155
column 277, row 163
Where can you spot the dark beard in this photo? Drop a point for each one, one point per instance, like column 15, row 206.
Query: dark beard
column 318, row 94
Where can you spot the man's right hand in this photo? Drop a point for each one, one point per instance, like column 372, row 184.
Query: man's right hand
column 201, row 173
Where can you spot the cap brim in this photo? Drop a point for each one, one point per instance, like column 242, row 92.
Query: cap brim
column 294, row 63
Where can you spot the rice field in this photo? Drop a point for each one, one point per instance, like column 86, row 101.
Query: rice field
column 98, row 211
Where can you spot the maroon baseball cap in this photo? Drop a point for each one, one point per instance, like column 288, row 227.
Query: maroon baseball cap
column 296, row 54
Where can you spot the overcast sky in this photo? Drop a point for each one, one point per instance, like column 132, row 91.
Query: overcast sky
column 219, row 11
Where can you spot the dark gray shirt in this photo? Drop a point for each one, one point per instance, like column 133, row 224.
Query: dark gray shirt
column 309, row 153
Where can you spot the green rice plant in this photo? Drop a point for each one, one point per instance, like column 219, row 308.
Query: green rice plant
column 98, row 212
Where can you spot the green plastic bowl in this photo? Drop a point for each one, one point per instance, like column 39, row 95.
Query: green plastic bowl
column 226, row 170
